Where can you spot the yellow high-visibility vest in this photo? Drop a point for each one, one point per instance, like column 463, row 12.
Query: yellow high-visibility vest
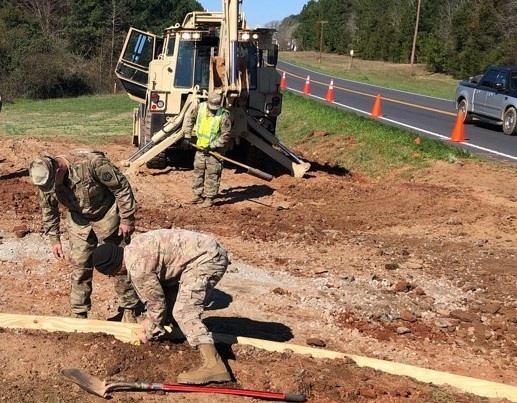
column 208, row 128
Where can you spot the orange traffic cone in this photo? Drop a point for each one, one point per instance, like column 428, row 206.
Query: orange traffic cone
column 330, row 92
column 458, row 135
column 283, row 82
column 307, row 87
column 376, row 110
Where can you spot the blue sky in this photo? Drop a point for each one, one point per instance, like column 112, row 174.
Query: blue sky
column 260, row 12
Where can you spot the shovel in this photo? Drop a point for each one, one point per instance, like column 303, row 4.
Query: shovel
column 100, row 388
column 249, row 170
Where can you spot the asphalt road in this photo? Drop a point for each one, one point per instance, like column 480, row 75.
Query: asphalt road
column 426, row 116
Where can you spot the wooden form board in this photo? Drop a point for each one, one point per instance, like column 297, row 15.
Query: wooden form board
column 126, row 332
column 129, row 332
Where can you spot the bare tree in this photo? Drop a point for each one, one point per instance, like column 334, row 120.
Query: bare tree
column 46, row 12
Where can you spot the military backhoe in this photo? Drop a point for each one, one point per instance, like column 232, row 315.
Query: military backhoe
column 210, row 51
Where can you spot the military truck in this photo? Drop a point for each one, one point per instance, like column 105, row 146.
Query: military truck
column 209, row 51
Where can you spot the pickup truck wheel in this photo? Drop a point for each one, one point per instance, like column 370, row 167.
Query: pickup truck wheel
column 462, row 107
column 510, row 122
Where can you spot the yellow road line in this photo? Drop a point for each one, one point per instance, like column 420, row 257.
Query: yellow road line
column 396, row 101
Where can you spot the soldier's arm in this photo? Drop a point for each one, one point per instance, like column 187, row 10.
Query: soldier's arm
column 150, row 291
column 50, row 216
column 110, row 176
column 190, row 121
column 226, row 127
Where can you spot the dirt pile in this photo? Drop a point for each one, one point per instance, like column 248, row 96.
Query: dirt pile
column 420, row 272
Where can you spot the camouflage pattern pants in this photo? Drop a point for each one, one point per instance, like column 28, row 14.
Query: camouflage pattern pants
column 195, row 285
column 84, row 235
column 207, row 175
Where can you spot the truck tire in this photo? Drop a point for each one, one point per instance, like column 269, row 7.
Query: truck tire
column 510, row 122
column 467, row 116
column 160, row 161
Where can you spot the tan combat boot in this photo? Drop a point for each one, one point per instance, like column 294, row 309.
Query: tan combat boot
column 207, row 203
column 212, row 370
column 128, row 316
column 195, row 200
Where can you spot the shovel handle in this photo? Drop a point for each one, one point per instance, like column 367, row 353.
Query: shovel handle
column 286, row 397
column 250, row 170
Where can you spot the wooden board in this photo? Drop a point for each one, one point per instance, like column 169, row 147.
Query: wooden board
column 126, row 332
column 129, row 332
column 467, row 384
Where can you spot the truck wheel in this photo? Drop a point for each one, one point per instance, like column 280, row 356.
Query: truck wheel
column 160, row 161
column 467, row 116
column 510, row 122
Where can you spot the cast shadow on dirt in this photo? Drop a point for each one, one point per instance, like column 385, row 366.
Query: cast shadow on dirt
column 239, row 194
column 241, row 326
column 244, row 327
column 218, row 300
column 16, row 174
column 328, row 169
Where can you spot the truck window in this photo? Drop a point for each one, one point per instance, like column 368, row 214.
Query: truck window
column 248, row 51
column 513, row 81
column 183, row 78
column 140, row 49
column 500, row 80
column 202, row 74
column 171, row 43
column 489, row 78
column 194, row 62
column 204, row 50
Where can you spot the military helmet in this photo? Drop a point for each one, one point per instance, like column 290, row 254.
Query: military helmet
column 214, row 100
column 42, row 173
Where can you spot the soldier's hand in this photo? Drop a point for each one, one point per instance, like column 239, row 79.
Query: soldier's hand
column 57, row 250
column 150, row 331
column 125, row 230
column 185, row 142
column 145, row 330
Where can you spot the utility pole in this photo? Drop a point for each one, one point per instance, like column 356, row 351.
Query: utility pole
column 414, row 36
column 321, row 39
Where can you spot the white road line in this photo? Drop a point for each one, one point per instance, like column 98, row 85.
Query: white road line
column 440, row 136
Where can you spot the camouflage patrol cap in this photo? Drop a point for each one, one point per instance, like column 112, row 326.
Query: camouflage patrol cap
column 214, row 100
column 107, row 258
column 42, row 173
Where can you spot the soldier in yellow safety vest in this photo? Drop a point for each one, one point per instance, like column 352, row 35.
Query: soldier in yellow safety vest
column 212, row 127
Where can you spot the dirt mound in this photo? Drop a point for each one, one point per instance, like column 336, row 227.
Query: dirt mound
column 420, row 272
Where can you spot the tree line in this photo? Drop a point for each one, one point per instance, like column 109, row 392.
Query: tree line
column 457, row 37
column 59, row 48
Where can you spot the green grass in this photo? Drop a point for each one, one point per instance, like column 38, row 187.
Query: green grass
column 90, row 120
column 390, row 75
column 354, row 143
column 358, row 143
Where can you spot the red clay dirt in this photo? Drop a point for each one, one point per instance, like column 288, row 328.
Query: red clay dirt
column 419, row 271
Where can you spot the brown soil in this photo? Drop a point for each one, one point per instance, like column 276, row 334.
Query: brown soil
column 420, row 272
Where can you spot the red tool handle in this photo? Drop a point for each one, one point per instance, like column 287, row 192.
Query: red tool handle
column 287, row 397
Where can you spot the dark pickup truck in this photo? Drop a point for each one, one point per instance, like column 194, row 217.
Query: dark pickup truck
column 491, row 97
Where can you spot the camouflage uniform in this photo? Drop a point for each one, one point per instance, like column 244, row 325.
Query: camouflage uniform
column 98, row 198
column 207, row 168
column 160, row 261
